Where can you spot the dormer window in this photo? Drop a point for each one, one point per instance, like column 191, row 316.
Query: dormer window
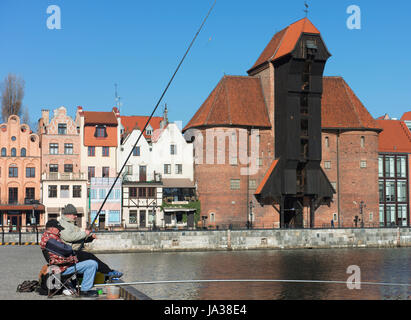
column 149, row 130
column 101, row 132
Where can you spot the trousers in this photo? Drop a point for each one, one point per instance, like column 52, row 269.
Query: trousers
column 88, row 269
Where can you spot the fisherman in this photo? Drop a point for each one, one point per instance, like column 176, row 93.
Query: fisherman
column 74, row 236
column 62, row 255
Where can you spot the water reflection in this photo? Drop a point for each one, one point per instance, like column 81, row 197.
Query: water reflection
column 377, row 265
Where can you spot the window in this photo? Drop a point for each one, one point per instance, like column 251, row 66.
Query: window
column 136, row 151
column 117, row 194
column 13, row 195
column 105, row 151
column 13, row 138
column 62, row 128
column 327, row 165
column 30, row 172
column 76, row 191
column 401, row 167
column 233, row 160
column 13, row 152
column 30, row 193
column 101, row 132
column 54, row 148
column 179, row 169
column 105, row 172
column 363, row 164
column 132, row 218
column 91, row 172
column 402, row 215
column 114, row 216
column 68, row 148
column 327, row 142
column 335, row 217
column 149, row 130
column 167, row 169
column 252, row 184
column 151, row 192
column 54, row 168
column 235, row 184
column 102, row 193
column 64, row 192
column 52, row 191
column 382, row 216
column 91, row 151
column 3, row 152
column 142, row 192
column 260, row 162
column 128, row 170
column 93, row 193
column 381, row 166
column 362, row 142
column 132, row 192
column 23, row 152
column 389, row 166
column 13, row 172
column 390, row 191
column 402, row 191
column 173, row 149
column 68, row 168
column 381, row 190
column 212, row 217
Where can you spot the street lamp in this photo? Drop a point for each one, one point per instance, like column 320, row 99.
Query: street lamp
column 250, row 223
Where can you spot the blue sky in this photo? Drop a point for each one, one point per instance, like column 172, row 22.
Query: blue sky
column 138, row 44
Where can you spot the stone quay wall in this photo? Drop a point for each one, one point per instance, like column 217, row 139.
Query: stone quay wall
column 148, row 241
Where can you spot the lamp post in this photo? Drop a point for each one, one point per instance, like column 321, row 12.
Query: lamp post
column 250, row 223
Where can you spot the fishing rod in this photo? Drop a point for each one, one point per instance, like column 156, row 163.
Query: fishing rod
column 149, row 119
column 248, row 280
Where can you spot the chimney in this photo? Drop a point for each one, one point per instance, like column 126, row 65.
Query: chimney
column 164, row 122
column 45, row 114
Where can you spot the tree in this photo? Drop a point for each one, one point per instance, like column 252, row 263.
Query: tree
column 12, row 96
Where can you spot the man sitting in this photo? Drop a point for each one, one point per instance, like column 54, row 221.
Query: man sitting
column 62, row 256
column 74, row 236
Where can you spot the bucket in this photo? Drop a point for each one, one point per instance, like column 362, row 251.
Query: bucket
column 113, row 292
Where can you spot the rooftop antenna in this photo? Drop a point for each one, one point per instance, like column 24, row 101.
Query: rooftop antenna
column 118, row 99
column 306, row 8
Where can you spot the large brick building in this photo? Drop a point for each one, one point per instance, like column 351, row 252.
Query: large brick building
column 314, row 158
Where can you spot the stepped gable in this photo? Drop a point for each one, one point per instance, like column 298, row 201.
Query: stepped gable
column 237, row 101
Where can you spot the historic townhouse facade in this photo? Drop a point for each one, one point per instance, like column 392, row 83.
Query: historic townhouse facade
column 62, row 178
column 98, row 156
column 20, row 170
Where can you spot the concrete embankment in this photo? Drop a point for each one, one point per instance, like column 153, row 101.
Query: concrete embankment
column 201, row 240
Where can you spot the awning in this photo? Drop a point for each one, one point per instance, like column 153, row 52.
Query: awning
column 8, row 207
column 178, row 183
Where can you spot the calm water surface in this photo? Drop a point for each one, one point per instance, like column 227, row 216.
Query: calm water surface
column 377, row 265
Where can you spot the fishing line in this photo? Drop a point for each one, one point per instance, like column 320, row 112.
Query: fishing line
column 149, row 119
column 249, row 280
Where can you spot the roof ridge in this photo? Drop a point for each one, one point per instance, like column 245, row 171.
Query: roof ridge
column 405, row 129
column 281, row 42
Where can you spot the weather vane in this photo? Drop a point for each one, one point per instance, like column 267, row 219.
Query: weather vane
column 306, row 8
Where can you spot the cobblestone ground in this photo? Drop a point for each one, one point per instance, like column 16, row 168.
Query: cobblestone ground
column 17, row 264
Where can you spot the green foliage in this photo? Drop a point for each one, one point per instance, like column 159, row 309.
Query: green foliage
column 191, row 205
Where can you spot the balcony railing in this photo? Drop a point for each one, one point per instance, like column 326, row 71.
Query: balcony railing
column 63, row 176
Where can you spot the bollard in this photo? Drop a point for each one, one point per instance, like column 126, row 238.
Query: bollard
column 19, row 235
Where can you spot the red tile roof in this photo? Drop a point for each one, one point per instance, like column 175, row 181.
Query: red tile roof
column 138, row 122
column 396, row 137
column 406, row 116
column 236, row 101
column 341, row 108
column 285, row 41
column 95, row 117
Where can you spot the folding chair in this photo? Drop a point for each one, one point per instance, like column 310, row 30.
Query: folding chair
column 54, row 281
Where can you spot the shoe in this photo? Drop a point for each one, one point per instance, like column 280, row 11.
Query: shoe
column 68, row 292
column 115, row 274
column 90, row 293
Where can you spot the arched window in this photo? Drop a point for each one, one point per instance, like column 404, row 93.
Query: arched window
column 13, row 152
column 362, row 142
column 327, row 142
column 23, row 152
column 3, row 152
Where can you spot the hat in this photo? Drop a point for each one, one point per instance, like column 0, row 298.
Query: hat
column 54, row 224
column 69, row 209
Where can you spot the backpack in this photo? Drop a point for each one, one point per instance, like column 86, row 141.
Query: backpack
column 27, row 286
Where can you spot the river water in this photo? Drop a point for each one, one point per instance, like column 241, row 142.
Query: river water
column 376, row 265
